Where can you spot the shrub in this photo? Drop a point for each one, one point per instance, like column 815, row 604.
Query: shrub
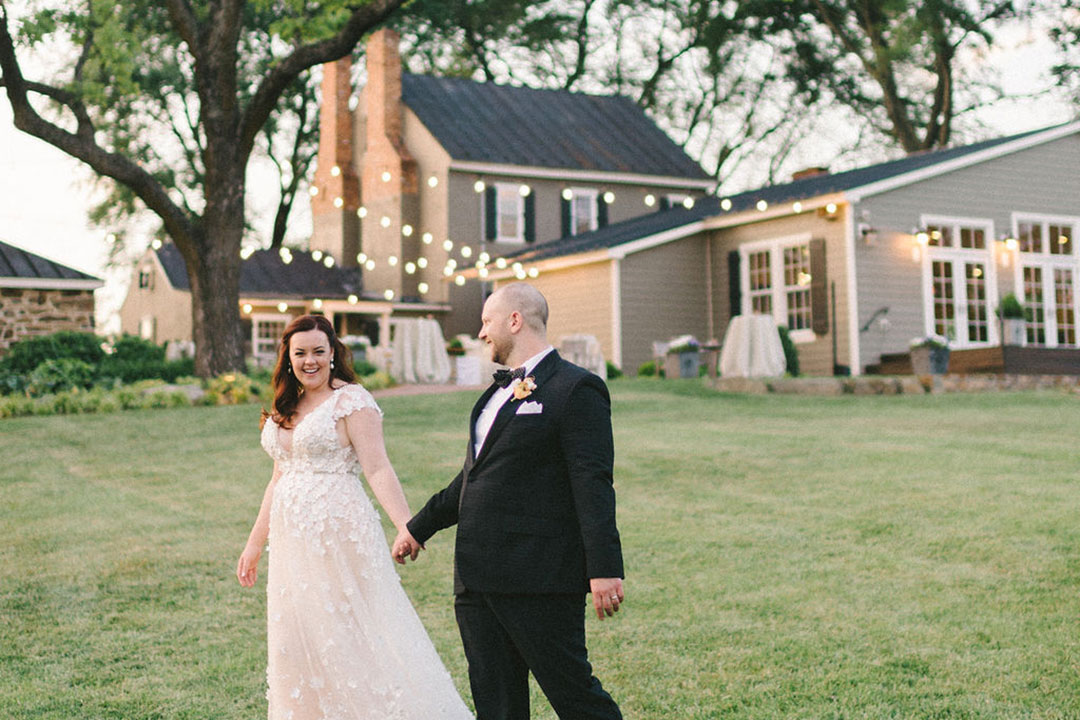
column 363, row 368
column 54, row 375
column 791, row 354
column 28, row 353
column 376, row 381
column 613, row 371
column 11, row 382
column 647, row 368
column 135, row 359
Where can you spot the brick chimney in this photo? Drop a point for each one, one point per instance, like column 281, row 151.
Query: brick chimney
column 809, row 172
column 335, row 226
column 389, row 183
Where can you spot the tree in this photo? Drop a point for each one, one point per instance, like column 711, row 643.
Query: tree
column 893, row 62
column 154, row 82
column 1065, row 31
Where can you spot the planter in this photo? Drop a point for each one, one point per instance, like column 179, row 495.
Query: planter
column 1013, row 331
column 930, row 360
column 682, row 365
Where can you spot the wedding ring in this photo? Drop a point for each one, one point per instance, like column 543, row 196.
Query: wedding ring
column 614, row 598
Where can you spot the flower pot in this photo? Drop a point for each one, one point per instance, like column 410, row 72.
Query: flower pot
column 1013, row 331
column 682, row 365
column 930, row 360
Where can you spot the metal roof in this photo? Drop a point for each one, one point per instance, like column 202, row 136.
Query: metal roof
column 30, row 269
column 801, row 190
column 503, row 124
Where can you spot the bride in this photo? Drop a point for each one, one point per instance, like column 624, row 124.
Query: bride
column 343, row 640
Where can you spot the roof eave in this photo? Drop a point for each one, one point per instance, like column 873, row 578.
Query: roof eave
column 51, row 283
column 600, row 176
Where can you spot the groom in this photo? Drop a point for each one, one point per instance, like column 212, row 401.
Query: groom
column 535, row 509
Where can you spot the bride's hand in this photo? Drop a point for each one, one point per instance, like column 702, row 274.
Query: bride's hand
column 247, row 567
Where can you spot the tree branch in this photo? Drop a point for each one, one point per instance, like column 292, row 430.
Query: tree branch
column 280, row 77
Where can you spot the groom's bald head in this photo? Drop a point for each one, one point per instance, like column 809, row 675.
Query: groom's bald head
column 527, row 301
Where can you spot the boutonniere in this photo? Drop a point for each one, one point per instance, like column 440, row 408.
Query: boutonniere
column 523, row 388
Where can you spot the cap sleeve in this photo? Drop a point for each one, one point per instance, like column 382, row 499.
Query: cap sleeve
column 352, row 398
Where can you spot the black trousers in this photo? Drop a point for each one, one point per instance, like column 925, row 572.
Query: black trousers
column 506, row 636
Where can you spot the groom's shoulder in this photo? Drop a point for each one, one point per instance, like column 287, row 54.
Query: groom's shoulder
column 574, row 375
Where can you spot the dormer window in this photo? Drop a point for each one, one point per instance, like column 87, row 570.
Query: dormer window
column 146, row 279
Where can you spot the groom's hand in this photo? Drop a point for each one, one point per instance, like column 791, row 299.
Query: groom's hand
column 405, row 546
column 607, row 595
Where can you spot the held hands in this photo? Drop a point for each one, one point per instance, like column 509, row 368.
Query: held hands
column 607, row 595
column 247, row 567
column 405, row 546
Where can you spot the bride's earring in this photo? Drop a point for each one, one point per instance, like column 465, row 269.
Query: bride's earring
column 331, row 363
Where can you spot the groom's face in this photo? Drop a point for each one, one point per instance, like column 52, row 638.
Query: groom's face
column 495, row 329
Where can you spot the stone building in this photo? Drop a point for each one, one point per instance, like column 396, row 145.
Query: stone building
column 39, row 296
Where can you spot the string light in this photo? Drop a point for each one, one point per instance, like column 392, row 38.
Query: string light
column 247, row 308
column 797, row 207
column 451, row 263
column 448, row 245
column 338, row 202
column 155, row 243
column 725, row 204
column 388, row 294
column 313, row 191
column 448, row 271
column 328, row 261
column 406, row 230
column 410, row 267
column 501, row 263
column 485, row 258
column 422, row 287
column 432, row 181
column 567, row 194
column 762, row 205
column 392, row 260
column 335, row 171
column 353, row 299
column 466, row 251
column 533, row 272
column 427, row 238
column 316, row 255
column 361, row 212
column 317, row 304
column 459, row 280
column 282, row 307
column 650, row 200
column 361, row 258
column 421, row 262
column 688, row 203
column 483, row 272
column 369, row 265
column 609, row 197
column 479, row 186
column 385, row 222
column 524, row 190
column 386, row 176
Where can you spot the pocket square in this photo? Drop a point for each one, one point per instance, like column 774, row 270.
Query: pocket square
column 530, row 408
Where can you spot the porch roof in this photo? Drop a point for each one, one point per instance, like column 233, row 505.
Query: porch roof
column 21, row 268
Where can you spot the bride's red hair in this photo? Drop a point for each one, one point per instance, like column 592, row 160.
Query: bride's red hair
column 284, row 383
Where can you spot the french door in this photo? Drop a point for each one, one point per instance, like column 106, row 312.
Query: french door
column 959, row 284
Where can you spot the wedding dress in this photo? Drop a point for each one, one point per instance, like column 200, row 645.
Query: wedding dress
column 344, row 642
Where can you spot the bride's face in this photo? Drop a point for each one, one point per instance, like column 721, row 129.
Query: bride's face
column 310, row 355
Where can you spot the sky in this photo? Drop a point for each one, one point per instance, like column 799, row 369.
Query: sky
column 45, row 194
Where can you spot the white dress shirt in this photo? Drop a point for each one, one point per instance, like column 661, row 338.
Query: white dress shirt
column 498, row 399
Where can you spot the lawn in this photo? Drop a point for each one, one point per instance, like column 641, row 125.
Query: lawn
column 788, row 557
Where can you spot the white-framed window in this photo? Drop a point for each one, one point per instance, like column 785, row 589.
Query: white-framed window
column 266, row 332
column 959, row 282
column 1046, row 277
column 777, row 282
column 583, row 211
column 509, row 213
column 146, row 278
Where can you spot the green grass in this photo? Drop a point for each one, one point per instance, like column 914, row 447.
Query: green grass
column 870, row 557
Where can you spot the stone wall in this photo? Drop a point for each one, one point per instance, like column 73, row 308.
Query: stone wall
column 25, row 312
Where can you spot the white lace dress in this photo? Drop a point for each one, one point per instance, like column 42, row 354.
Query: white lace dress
column 344, row 642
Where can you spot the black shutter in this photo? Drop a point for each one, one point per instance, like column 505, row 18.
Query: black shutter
column 665, row 203
column 819, row 289
column 530, row 217
column 601, row 212
column 734, row 283
column 566, row 218
column 491, row 219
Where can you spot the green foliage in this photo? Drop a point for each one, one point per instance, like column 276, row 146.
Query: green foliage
column 1011, row 308
column 363, row 367
column 377, row 380
column 28, row 353
column 647, row 369
column 613, row 371
column 53, row 376
column 791, row 353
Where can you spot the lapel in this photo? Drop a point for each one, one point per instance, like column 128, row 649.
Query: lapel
column 540, row 375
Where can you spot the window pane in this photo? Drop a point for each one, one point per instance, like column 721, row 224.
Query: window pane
column 797, row 286
column 584, row 213
column 1030, row 237
column 940, row 236
column 510, row 210
column 1060, row 240
column 1063, row 299
column 1033, row 298
column 972, row 238
column 975, row 284
column 760, row 278
column 267, row 335
column 944, row 305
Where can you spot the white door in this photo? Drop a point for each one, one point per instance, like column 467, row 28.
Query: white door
column 959, row 283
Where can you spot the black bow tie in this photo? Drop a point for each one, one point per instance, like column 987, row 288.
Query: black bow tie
column 503, row 378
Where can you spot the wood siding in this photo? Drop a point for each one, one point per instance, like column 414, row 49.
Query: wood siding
column 815, row 356
column 579, row 302
column 1040, row 180
column 170, row 308
column 663, row 292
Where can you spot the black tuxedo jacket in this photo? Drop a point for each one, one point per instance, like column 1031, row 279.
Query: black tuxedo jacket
column 536, row 509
